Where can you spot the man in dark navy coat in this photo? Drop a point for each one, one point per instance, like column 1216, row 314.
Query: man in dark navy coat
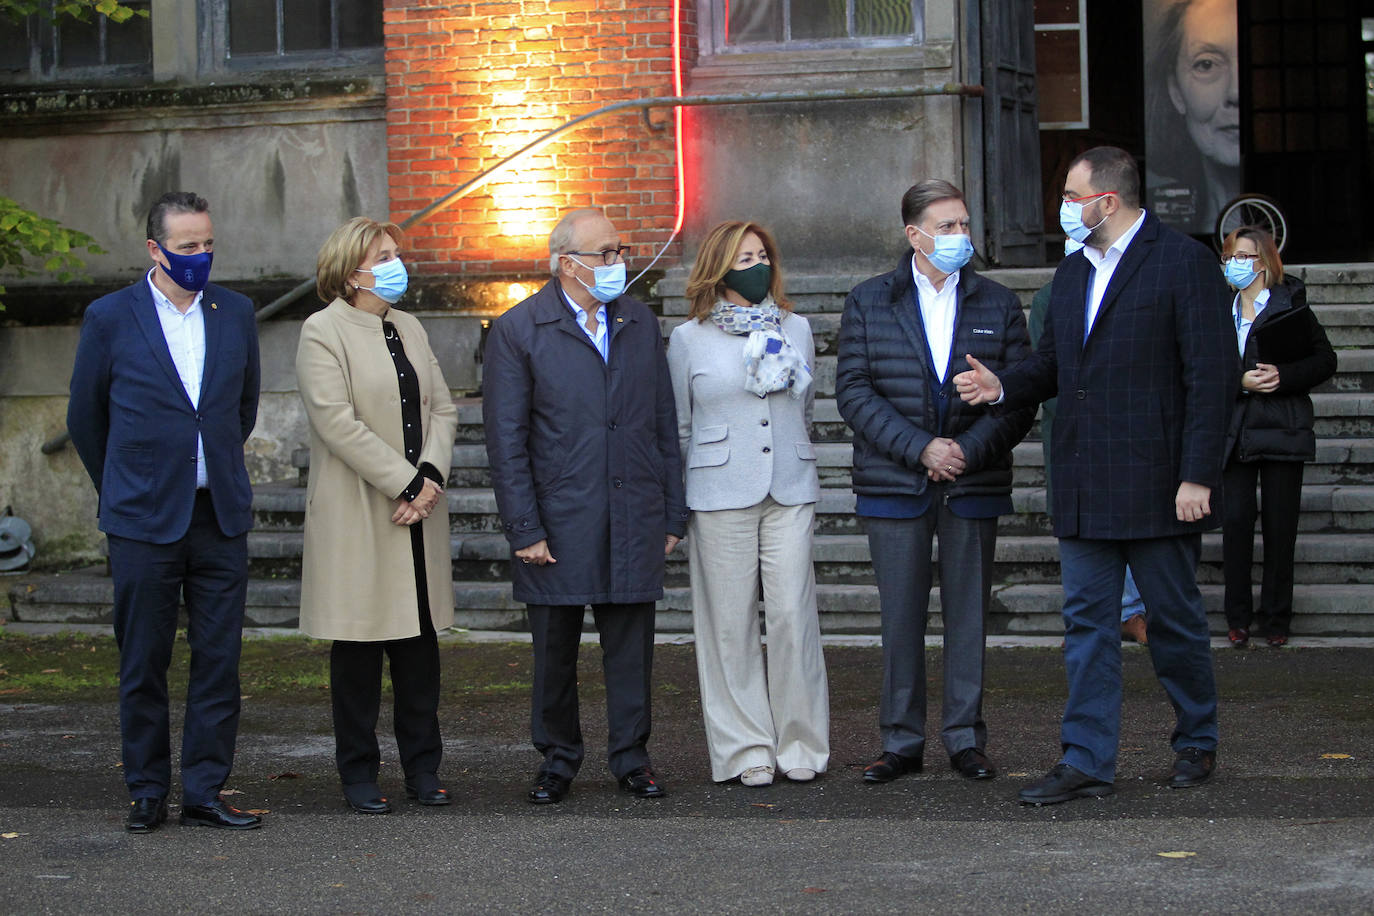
column 164, row 394
column 1140, row 349
column 581, row 433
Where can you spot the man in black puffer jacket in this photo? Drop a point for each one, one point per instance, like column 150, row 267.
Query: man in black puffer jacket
column 927, row 465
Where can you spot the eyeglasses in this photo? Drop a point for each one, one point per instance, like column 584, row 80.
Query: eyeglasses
column 1243, row 257
column 1079, row 200
column 608, row 256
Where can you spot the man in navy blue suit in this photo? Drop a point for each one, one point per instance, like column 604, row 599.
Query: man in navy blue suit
column 164, row 394
column 1138, row 346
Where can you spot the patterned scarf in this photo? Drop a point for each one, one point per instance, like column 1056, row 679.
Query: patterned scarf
column 771, row 363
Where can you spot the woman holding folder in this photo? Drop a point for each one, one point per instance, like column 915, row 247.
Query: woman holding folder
column 1284, row 355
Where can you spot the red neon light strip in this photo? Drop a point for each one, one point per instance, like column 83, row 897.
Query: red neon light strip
column 677, row 115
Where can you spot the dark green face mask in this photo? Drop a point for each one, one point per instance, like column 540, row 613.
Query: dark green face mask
column 752, row 283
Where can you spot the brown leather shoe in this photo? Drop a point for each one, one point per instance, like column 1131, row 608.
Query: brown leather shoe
column 1133, row 628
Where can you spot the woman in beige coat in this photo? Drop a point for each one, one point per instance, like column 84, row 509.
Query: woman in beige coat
column 377, row 576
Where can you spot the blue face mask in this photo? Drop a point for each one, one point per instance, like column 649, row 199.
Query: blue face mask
column 1070, row 246
column 389, row 280
column 1071, row 220
column 1239, row 273
column 951, row 252
column 189, row 271
column 610, row 281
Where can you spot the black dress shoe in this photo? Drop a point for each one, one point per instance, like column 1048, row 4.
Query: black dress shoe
column 425, row 789
column 889, row 766
column 1192, row 767
column 640, row 783
column 366, row 798
column 219, row 813
column 972, row 763
column 145, row 814
column 1061, row 784
column 549, row 789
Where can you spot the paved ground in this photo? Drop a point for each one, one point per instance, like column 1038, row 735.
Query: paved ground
column 1286, row 826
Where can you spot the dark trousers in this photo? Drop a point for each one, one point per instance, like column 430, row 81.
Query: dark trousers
column 627, row 656
column 210, row 572
column 1165, row 570
column 1280, row 488
column 355, row 690
column 902, row 566
column 355, row 685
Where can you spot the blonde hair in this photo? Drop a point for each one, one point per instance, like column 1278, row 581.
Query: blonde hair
column 346, row 248
column 1264, row 244
column 716, row 258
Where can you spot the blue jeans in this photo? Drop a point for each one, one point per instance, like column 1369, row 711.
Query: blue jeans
column 1180, row 648
column 1131, row 605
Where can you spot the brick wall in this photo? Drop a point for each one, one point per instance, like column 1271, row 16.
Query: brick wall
column 470, row 82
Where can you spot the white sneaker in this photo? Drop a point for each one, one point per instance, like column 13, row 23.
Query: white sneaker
column 757, row 776
column 801, row 774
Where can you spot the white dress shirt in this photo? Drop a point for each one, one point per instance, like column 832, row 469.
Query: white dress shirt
column 185, row 335
column 1242, row 323
column 1104, row 265
column 937, row 313
column 599, row 338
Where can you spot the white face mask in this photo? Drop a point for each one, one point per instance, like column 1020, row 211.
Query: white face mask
column 610, row 280
column 1071, row 218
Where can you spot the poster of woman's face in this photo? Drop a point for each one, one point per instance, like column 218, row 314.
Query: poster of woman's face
column 1192, row 106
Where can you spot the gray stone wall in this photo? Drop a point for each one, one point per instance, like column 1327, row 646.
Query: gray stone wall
column 53, row 493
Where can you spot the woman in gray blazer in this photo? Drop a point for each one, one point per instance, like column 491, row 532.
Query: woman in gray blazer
column 741, row 369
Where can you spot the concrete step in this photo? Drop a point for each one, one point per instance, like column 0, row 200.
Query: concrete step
column 1338, row 461
column 843, row 559
column 86, row 597
column 1324, row 507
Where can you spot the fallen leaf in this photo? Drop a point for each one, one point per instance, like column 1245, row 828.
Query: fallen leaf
column 336, row 885
column 52, row 670
column 220, row 858
column 763, row 805
column 65, row 737
column 1336, row 757
column 286, row 775
column 1177, row 855
column 12, row 835
column 230, row 792
column 813, row 890
column 259, row 811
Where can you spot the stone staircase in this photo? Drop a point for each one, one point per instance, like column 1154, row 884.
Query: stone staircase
column 1335, row 550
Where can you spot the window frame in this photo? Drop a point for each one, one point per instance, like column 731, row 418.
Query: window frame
column 711, row 12
column 43, row 35
column 215, row 56
column 1081, row 27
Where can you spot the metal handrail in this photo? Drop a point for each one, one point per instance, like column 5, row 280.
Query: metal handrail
column 671, row 101
column 57, row 443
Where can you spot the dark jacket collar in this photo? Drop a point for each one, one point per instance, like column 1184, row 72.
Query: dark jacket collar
column 904, row 284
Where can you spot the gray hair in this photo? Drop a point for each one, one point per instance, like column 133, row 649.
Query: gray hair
column 920, row 196
column 561, row 238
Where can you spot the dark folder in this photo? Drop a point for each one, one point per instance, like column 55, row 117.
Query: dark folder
column 1286, row 338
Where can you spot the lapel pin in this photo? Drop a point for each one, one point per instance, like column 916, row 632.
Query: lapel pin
column 213, row 306
column 620, row 321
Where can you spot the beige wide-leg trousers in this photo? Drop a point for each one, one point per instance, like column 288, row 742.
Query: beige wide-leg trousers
column 778, row 717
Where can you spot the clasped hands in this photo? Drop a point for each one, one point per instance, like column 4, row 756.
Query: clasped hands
column 943, row 459
column 1264, row 378
column 410, row 511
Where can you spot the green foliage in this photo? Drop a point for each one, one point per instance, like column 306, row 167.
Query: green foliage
column 77, row 9
column 26, row 238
